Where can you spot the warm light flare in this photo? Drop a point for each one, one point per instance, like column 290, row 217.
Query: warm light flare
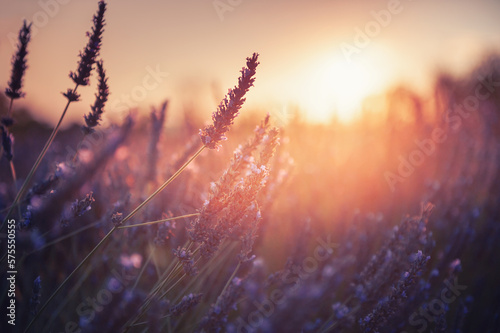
column 336, row 86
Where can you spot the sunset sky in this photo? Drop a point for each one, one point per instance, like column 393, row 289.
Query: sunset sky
column 312, row 55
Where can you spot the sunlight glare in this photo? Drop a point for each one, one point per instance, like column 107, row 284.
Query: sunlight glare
column 339, row 87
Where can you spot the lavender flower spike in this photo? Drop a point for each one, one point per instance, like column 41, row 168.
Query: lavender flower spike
column 35, row 298
column 91, row 51
column 212, row 135
column 93, row 118
column 19, row 63
column 7, row 143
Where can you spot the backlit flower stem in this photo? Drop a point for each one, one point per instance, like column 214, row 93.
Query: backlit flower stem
column 38, row 160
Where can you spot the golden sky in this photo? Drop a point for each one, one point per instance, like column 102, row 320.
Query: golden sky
column 320, row 55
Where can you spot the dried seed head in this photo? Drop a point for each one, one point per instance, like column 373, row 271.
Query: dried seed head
column 219, row 312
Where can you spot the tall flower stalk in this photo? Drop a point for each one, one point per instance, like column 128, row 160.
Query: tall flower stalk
column 228, row 109
column 211, row 137
column 231, row 210
column 19, row 65
column 93, row 118
column 80, row 78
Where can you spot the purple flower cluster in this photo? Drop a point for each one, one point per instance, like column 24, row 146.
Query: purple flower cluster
column 212, row 135
column 19, row 63
column 94, row 117
column 91, row 51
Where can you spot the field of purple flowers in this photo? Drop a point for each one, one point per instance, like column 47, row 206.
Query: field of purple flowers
column 388, row 224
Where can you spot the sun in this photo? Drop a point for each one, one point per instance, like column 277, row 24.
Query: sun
column 337, row 86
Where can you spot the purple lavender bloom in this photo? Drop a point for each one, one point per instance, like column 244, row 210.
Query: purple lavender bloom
column 35, row 298
column 91, row 51
column 212, row 135
column 19, row 63
column 94, row 117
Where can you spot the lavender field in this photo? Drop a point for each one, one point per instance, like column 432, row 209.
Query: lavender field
column 240, row 221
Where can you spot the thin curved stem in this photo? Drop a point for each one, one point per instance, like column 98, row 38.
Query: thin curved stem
column 38, row 161
column 11, row 162
column 162, row 187
column 228, row 282
column 158, row 221
column 129, row 216
column 9, row 113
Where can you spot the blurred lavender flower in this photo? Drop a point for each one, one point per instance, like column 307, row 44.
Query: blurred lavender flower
column 269, row 142
column 157, row 121
column 46, row 185
column 7, row 143
column 212, row 135
column 27, row 220
column 78, row 208
column 35, row 298
column 230, row 218
column 392, row 257
column 340, row 310
column 389, row 306
column 117, row 218
column 94, row 117
column 186, row 258
column 232, row 198
column 455, row 267
column 216, row 318
column 165, row 231
column 187, row 303
column 19, row 63
column 247, row 237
